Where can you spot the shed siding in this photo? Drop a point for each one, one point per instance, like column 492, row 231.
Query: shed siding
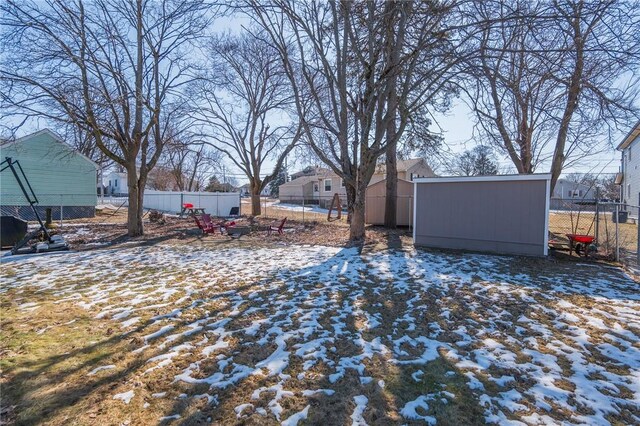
column 495, row 216
column 376, row 203
column 58, row 175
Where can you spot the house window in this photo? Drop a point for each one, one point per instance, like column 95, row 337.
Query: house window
column 629, row 156
column 342, row 183
column 327, row 185
column 629, row 190
column 316, row 187
column 109, row 183
column 116, row 183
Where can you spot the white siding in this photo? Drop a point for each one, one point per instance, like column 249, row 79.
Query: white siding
column 631, row 170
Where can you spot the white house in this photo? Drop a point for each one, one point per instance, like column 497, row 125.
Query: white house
column 629, row 178
column 117, row 184
column 569, row 190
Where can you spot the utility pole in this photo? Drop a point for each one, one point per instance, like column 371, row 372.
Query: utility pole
column 224, row 179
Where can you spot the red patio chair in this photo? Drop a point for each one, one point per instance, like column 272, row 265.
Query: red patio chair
column 278, row 229
column 208, row 223
column 201, row 221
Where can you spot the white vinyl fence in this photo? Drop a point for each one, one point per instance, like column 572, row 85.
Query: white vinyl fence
column 214, row 203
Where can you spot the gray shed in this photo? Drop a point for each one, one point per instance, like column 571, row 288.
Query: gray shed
column 506, row 214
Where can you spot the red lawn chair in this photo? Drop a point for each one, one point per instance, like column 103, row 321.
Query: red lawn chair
column 278, row 228
column 204, row 223
column 208, row 223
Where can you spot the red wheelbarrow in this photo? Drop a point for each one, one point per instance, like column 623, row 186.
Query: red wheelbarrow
column 580, row 243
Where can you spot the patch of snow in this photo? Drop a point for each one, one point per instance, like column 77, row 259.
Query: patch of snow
column 409, row 411
column 97, row 369
column 125, row 396
column 361, row 405
column 295, row 418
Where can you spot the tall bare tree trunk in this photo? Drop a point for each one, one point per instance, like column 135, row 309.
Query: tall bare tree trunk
column 134, row 212
column 395, row 40
column 571, row 105
column 256, row 209
column 391, row 198
column 356, row 228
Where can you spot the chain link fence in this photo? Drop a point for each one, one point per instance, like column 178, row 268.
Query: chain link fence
column 298, row 209
column 614, row 227
column 59, row 206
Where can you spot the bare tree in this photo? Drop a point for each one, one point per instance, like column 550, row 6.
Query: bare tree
column 189, row 161
column 342, row 76
column 360, row 71
column 113, row 68
column 243, row 108
column 551, row 78
column 423, row 56
column 478, row 161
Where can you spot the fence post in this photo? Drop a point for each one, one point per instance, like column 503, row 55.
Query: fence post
column 617, row 245
column 410, row 212
column 597, row 217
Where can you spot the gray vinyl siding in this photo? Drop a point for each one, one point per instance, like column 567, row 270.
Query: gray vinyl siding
column 58, row 175
column 508, row 217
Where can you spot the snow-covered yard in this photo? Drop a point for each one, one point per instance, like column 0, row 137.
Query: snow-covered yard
column 321, row 335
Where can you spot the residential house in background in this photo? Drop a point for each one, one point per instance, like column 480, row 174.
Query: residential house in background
column 318, row 185
column 309, row 171
column 568, row 190
column 315, row 185
column 629, row 177
column 117, row 184
column 407, row 170
column 62, row 178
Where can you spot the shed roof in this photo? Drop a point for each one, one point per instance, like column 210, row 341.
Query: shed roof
column 534, row 176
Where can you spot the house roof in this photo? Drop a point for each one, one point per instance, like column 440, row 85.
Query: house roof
column 563, row 181
column 311, row 171
column 402, row 165
column 302, row 180
column 53, row 136
column 631, row 136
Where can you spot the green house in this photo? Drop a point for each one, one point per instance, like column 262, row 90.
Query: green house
column 62, row 178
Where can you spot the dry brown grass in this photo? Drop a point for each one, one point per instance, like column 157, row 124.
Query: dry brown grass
column 44, row 373
column 561, row 223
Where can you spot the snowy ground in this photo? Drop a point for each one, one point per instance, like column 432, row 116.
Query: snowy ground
column 297, row 207
column 297, row 334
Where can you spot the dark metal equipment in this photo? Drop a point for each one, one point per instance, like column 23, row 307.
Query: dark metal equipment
column 50, row 242
column 12, row 230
